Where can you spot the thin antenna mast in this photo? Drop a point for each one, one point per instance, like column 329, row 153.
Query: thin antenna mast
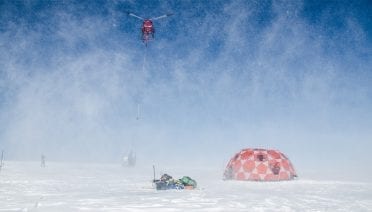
column 2, row 159
column 138, row 112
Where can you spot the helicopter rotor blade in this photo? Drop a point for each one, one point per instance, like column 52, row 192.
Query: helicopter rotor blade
column 136, row 16
column 163, row 16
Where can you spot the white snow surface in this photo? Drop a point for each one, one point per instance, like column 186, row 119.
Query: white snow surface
column 25, row 186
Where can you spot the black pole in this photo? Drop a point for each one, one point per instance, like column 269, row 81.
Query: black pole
column 153, row 169
column 2, row 159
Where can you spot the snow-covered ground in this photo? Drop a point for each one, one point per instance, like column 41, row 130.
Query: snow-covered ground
column 25, row 186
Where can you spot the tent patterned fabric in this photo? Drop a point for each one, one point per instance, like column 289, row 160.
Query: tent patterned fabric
column 259, row 165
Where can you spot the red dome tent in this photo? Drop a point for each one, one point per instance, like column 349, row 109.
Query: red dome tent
column 259, row 165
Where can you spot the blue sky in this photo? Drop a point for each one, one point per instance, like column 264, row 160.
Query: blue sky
column 220, row 76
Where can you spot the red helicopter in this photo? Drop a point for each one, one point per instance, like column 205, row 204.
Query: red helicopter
column 148, row 30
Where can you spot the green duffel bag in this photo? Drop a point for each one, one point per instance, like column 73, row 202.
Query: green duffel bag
column 188, row 181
